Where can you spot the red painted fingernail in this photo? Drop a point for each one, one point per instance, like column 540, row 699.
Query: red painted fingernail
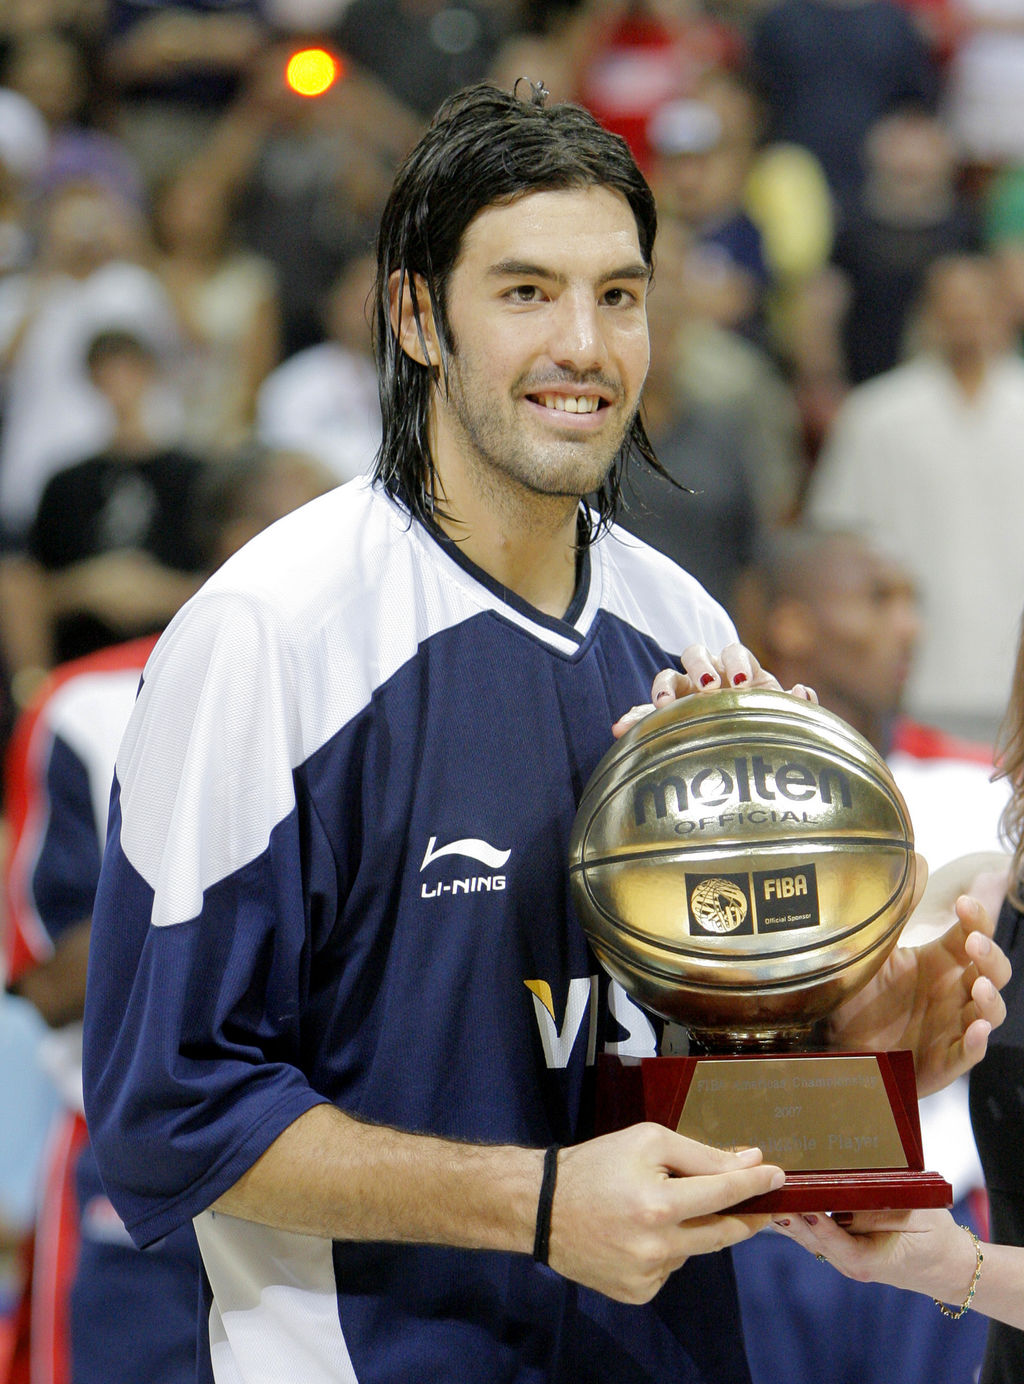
column 740, row 677
column 707, row 678
column 782, row 1222
column 811, row 1220
column 843, row 1217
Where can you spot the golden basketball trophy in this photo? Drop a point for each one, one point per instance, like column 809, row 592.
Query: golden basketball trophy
column 743, row 862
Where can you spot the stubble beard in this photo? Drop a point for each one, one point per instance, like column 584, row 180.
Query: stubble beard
column 508, row 464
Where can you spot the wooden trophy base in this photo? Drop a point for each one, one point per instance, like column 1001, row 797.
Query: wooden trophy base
column 843, row 1126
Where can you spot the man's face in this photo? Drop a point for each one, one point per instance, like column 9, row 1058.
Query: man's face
column 967, row 315
column 546, row 305
column 867, row 624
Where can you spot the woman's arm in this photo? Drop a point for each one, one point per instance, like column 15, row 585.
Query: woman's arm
column 923, row 1251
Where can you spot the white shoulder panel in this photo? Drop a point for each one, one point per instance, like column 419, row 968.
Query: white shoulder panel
column 275, row 1313
column 652, row 593
column 90, row 713
column 281, row 648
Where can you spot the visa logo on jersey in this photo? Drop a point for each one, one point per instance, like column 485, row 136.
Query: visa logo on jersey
column 560, row 1031
column 472, row 848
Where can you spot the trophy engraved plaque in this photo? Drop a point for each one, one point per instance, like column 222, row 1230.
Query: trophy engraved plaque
column 743, row 862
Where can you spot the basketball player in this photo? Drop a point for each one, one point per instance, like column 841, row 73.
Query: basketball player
column 340, row 1012
column 100, row 1310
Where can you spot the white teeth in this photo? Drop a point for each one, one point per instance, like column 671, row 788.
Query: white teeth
column 568, row 404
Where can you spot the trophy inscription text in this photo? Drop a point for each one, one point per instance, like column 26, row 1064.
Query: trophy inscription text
column 809, row 1113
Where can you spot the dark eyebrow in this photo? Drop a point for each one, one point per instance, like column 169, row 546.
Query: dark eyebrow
column 522, row 269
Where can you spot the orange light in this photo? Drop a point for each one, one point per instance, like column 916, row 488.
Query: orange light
column 312, row 71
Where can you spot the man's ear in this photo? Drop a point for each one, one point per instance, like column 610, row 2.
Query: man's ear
column 418, row 339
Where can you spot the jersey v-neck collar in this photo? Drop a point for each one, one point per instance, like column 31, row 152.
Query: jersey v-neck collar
column 572, row 627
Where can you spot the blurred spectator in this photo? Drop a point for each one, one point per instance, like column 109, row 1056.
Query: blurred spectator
column 830, row 609
column 86, row 278
column 783, row 189
column 52, row 71
column 101, row 1310
column 708, row 520
column 27, row 1106
column 249, row 491
column 23, row 147
column 545, row 46
column 226, row 302
column 175, row 68
column 422, row 50
column 303, row 18
column 634, row 55
column 826, row 608
column 323, row 400
column 908, row 215
column 310, row 175
column 985, row 85
column 1003, row 214
column 112, row 551
column 699, row 179
column 940, row 23
column 927, row 459
column 829, row 68
column 719, row 373
column 1003, row 206
column 97, row 1309
column 82, row 18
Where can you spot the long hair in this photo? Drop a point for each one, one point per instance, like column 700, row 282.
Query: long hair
column 484, row 147
column 1010, row 761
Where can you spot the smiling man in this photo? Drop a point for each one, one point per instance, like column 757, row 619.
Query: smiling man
column 341, row 1013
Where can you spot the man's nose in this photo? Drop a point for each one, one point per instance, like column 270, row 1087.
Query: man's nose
column 577, row 336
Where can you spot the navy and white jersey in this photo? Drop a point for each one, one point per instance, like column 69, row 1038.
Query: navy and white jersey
column 57, row 777
column 57, row 773
column 336, row 872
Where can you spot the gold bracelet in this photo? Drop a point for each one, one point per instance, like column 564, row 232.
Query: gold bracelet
column 979, row 1260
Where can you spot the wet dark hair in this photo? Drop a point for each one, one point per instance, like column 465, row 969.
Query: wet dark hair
column 485, row 147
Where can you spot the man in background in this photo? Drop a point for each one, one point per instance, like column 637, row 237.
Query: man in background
column 97, row 1309
column 828, row 607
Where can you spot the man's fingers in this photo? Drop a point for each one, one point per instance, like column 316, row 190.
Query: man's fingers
column 682, row 1156
column 705, row 1194
column 707, row 1234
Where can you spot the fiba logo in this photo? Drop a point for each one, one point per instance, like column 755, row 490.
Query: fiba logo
column 719, row 905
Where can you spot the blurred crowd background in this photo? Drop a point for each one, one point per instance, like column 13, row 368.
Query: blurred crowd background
column 837, row 324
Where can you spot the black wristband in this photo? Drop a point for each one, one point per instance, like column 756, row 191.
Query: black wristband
column 542, row 1235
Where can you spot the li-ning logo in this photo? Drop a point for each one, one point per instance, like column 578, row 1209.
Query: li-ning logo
column 475, row 849
column 745, row 781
